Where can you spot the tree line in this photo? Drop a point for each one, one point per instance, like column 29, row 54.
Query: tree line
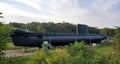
column 60, row 28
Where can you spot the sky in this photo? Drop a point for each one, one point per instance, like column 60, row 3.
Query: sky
column 96, row 13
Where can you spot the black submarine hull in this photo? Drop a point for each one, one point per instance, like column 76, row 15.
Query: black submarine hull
column 23, row 38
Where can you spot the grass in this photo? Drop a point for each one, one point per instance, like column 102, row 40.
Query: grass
column 11, row 46
column 16, row 60
column 104, row 49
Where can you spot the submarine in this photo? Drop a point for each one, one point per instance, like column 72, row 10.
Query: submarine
column 21, row 37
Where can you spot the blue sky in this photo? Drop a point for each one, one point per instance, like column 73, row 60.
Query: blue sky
column 98, row 13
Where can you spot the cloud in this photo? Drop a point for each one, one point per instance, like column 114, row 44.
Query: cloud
column 12, row 14
column 94, row 12
column 32, row 3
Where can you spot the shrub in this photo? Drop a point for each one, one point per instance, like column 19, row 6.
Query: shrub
column 110, row 59
column 82, row 54
column 5, row 31
column 77, row 53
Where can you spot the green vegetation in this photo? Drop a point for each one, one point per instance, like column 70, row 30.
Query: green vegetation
column 11, row 46
column 47, row 27
column 5, row 31
column 108, row 31
column 1, row 15
column 61, row 28
column 116, row 39
column 15, row 60
column 104, row 49
column 93, row 30
column 77, row 53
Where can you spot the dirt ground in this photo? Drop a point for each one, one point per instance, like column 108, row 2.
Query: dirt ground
column 16, row 53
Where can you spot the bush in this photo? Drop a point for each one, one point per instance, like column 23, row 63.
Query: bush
column 110, row 59
column 15, row 60
column 82, row 54
column 5, row 31
column 77, row 53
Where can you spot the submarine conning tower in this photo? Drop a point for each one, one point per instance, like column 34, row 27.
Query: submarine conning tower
column 82, row 29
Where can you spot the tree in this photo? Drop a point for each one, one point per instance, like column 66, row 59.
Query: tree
column 1, row 24
column 0, row 15
column 107, row 31
column 117, row 40
column 5, row 31
column 93, row 30
column 16, row 25
column 35, row 26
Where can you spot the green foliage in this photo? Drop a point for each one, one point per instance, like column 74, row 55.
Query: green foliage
column 47, row 27
column 107, row 31
column 114, row 56
column 117, row 35
column 5, row 31
column 106, row 48
column 60, row 28
column 82, row 54
column 16, row 60
column 93, row 30
column 17, row 25
column 34, row 26
column 11, row 46
column 57, row 56
column 116, row 41
column 1, row 15
column 110, row 59
column 1, row 24
column 77, row 53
